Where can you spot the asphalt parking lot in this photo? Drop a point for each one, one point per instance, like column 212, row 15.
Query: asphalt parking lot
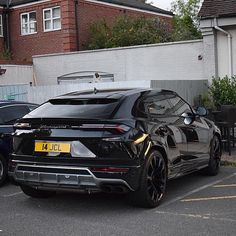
column 194, row 205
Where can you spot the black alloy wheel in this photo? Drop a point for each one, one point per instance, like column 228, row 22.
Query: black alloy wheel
column 3, row 170
column 153, row 182
column 215, row 157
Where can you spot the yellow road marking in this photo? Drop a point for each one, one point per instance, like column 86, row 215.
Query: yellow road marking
column 224, row 185
column 196, row 190
column 208, row 199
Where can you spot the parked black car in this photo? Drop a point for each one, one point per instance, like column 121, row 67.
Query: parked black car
column 129, row 140
column 10, row 111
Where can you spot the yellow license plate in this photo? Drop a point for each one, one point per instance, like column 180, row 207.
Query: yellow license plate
column 52, row 147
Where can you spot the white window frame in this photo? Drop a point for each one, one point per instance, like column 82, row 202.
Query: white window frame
column 28, row 23
column 51, row 19
column 1, row 26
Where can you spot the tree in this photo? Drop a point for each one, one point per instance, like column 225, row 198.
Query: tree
column 186, row 21
column 128, row 31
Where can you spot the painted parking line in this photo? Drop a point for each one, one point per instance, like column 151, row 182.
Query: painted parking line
column 208, row 198
column 224, row 186
column 196, row 190
column 183, row 214
column 13, row 194
column 196, row 216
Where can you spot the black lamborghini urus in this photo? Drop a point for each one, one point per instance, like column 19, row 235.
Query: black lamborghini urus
column 122, row 141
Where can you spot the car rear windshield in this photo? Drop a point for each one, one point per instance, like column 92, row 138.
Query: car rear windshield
column 76, row 108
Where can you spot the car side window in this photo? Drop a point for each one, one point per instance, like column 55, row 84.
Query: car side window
column 10, row 114
column 179, row 106
column 158, row 105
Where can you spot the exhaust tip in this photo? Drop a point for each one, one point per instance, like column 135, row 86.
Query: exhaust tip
column 114, row 189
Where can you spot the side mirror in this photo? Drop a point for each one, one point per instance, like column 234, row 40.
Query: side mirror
column 201, row 111
column 189, row 118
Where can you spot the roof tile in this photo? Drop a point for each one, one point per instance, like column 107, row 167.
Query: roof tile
column 128, row 3
column 218, row 8
column 139, row 5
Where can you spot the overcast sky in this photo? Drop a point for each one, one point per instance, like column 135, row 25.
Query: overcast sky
column 164, row 4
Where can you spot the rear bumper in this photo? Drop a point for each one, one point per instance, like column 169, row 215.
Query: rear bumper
column 73, row 177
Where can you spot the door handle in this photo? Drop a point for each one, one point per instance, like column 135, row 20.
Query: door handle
column 163, row 129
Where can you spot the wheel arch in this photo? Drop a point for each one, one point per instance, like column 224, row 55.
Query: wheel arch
column 3, row 152
column 220, row 138
column 162, row 150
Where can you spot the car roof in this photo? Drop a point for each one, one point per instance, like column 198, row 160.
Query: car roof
column 107, row 93
column 6, row 102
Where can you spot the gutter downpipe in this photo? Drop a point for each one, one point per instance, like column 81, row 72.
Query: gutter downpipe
column 77, row 24
column 229, row 46
column 7, row 25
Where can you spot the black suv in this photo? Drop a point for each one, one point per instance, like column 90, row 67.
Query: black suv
column 129, row 140
column 10, row 111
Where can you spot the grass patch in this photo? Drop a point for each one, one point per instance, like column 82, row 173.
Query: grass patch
column 228, row 163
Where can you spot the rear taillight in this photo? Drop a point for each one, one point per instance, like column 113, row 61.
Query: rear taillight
column 113, row 128
column 11, row 166
column 110, row 170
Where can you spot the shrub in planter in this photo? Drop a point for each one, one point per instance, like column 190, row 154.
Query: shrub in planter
column 205, row 100
column 223, row 91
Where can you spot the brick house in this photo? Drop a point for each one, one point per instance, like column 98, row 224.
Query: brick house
column 30, row 28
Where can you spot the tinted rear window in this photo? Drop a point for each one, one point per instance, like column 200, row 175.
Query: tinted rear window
column 76, row 108
column 9, row 114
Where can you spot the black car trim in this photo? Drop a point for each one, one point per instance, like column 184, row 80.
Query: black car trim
column 41, row 178
column 13, row 105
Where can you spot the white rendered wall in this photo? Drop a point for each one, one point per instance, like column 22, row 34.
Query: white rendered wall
column 223, row 55
column 169, row 61
column 16, row 74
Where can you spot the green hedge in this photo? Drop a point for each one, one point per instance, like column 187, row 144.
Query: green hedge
column 223, row 91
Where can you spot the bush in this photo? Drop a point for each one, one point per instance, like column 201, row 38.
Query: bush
column 186, row 21
column 223, row 91
column 6, row 54
column 128, row 31
column 204, row 100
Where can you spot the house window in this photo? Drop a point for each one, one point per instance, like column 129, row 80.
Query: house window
column 1, row 26
column 52, row 19
column 28, row 23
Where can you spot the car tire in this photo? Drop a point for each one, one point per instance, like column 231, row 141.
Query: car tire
column 36, row 193
column 3, row 170
column 152, row 182
column 215, row 157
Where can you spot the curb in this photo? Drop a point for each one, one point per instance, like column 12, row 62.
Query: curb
column 227, row 160
column 231, row 163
